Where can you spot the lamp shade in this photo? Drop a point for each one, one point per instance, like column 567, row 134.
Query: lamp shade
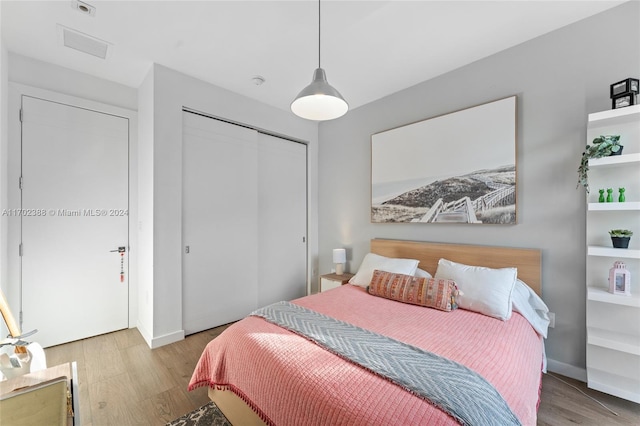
column 339, row 255
column 319, row 100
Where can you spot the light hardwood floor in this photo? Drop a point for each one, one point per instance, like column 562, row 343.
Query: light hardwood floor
column 123, row 382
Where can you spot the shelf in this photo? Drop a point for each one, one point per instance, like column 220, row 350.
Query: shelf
column 615, row 160
column 613, row 252
column 613, row 116
column 614, row 341
column 606, row 387
column 598, row 294
column 632, row 205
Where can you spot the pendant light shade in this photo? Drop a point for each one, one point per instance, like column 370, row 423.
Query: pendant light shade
column 319, row 100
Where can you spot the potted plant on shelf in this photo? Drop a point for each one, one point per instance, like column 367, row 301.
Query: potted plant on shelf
column 602, row 146
column 620, row 237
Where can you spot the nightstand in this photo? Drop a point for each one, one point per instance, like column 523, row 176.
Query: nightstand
column 52, row 395
column 329, row 281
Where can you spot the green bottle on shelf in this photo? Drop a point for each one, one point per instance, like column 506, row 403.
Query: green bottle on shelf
column 609, row 195
column 601, row 198
column 621, row 198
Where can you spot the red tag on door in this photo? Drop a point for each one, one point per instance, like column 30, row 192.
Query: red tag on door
column 122, row 266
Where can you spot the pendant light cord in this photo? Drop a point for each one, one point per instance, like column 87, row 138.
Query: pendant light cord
column 319, row 34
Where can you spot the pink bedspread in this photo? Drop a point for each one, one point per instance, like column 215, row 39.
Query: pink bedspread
column 291, row 381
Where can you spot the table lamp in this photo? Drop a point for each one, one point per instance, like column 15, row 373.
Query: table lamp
column 339, row 258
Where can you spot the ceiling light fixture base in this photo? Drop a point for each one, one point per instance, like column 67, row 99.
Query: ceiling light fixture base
column 83, row 7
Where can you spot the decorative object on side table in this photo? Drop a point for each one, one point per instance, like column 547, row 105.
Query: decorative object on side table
column 620, row 237
column 19, row 362
column 602, row 146
column 16, row 364
column 619, row 279
column 339, row 258
column 624, row 93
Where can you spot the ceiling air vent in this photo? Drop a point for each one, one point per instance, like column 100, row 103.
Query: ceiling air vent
column 84, row 42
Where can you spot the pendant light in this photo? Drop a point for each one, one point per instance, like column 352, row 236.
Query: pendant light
column 319, row 100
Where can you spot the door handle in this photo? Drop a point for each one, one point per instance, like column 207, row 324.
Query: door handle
column 120, row 249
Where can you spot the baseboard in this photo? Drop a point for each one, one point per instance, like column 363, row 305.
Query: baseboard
column 166, row 339
column 156, row 342
column 146, row 335
column 566, row 370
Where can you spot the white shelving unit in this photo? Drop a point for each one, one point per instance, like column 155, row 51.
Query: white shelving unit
column 613, row 320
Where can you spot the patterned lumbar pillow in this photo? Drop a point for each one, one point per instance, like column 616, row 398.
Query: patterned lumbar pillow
column 430, row 292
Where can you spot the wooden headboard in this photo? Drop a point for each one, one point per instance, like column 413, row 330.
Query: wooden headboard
column 526, row 260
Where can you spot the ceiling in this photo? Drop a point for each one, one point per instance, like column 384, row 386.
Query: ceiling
column 370, row 49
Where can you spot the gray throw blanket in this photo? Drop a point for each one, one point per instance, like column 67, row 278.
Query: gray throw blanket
column 450, row 386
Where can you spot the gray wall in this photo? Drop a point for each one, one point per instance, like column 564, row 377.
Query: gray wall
column 559, row 78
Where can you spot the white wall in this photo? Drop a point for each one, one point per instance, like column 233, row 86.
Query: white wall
column 171, row 92
column 559, row 78
column 159, row 101
column 4, row 89
column 43, row 75
column 145, row 207
column 45, row 78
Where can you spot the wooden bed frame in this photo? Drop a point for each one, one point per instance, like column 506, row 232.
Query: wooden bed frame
column 528, row 262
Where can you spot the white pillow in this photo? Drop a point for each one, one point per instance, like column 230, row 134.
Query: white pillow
column 484, row 290
column 530, row 306
column 372, row 262
column 421, row 273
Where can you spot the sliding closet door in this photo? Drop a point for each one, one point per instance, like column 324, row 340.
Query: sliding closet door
column 220, row 226
column 282, row 219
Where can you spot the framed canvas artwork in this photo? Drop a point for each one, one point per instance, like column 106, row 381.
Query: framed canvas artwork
column 455, row 168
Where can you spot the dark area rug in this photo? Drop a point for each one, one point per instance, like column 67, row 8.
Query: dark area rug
column 207, row 415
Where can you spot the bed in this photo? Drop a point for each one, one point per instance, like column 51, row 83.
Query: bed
column 261, row 373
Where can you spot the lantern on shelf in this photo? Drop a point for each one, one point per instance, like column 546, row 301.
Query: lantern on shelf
column 619, row 279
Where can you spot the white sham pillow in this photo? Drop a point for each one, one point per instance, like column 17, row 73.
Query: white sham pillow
column 373, row 261
column 421, row 273
column 484, row 290
column 529, row 305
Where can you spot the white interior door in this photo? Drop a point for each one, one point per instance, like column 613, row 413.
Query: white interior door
column 220, row 226
column 74, row 215
column 282, row 220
